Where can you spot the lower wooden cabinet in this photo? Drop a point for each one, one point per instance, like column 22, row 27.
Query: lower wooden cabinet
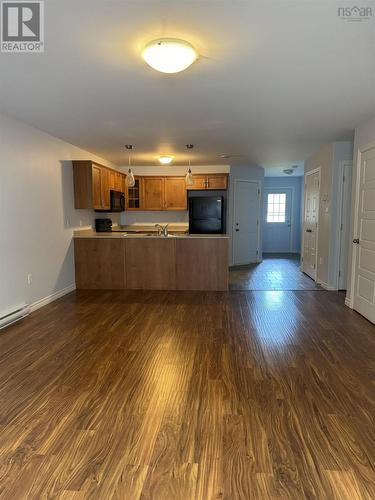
column 99, row 263
column 151, row 263
column 202, row 264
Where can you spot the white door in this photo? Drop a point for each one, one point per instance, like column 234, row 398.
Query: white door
column 364, row 292
column 346, row 180
column 311, row 223
column 246, row 222
column 277, row 230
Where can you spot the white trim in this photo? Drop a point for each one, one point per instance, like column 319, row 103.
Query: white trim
column 340, row 200
column 325, row 285
column 50, row 298
column 259, row 184
column 311, row 172
column 279, row 190
column 348, row 302
column 360, row 151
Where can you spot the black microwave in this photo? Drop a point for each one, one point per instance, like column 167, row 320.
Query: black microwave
column 117, row 201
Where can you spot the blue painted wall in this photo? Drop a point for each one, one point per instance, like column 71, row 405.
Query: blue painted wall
column 297, row 184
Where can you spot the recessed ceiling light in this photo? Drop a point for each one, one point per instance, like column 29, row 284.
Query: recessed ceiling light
column 169, row 55
column 165, row 159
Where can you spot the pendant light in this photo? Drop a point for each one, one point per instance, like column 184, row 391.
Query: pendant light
column 189, row 181
column 130, row 181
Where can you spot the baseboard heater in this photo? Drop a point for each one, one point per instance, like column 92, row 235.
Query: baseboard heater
column 14, row 315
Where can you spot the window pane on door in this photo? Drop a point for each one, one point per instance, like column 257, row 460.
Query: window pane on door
column 276, row 207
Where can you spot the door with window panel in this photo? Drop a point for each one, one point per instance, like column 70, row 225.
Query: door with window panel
column 277, row 227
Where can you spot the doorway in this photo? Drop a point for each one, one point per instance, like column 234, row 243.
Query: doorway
column 246, row 211
column 277, row 220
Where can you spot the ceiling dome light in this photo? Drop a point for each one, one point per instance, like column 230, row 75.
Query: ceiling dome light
column 169, row 55
column 166, row 159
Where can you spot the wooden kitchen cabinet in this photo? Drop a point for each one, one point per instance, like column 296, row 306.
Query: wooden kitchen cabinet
column 210, row 181
column 92, row 184
column 153, row 193
column 175, row 194
column 150, row 264
column 134, row 195
column 99, row 263
column 216, row 181
column 199, row 182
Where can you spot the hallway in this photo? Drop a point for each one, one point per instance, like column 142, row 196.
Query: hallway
column 276, row 272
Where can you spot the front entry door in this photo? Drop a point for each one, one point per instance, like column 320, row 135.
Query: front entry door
column 277, row 227
column 246, row 222
column 364, row 292
column 311, row 224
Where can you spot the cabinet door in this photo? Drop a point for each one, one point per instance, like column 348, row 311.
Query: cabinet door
column 134, row 195
column 105, row 190
column 217, row 181
column 153, row 193
column 112, row 179
column 199, row 182
column 118, row 181
column 175, row 194
column 96, row 187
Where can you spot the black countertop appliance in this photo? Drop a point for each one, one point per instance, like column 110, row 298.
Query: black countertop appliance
column 206, row 214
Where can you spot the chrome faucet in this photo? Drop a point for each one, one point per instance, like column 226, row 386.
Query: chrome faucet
column 162, row 230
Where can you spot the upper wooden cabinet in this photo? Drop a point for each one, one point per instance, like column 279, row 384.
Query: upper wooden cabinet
column 153, row 193
column 93, row 183
column 134, row 195
column 164, row 193
column 175, row 195
column 209, row 181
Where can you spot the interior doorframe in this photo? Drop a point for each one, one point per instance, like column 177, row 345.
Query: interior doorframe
column 259, row 184
column 317, row 170
column 279, row 190
column 349, row 301
column 342, row 165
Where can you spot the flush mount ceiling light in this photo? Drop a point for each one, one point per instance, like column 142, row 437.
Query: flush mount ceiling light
column 166, row 159
column 169, row 55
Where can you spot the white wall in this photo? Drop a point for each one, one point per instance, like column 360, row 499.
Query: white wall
column 162, row 217
column 364, row 135
column 328, row 158
column 246, row 172
column 37, row 213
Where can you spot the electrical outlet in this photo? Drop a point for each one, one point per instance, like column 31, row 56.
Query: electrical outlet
column 80, row 223
column 29, row 279
column 321, row 261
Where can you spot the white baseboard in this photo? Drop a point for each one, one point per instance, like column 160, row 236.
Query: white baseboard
column 324, row 285
column 349, row 302
column 50, row 298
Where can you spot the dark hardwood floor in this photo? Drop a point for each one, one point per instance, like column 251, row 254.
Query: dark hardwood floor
column 165, row 395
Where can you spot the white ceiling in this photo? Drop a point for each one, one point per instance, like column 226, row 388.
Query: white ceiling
column 277, row 169
column 276, row 80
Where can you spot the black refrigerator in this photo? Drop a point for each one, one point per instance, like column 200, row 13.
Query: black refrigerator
column 206, row 215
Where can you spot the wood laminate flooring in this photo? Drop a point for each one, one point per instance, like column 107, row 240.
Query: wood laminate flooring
column 188, row 395
column 275, row 272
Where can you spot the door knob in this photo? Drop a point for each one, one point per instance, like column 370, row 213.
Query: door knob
column 308, row 230
column 356, row 241
column 237, row 229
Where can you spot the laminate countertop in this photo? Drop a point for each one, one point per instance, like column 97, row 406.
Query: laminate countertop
column 91, row 233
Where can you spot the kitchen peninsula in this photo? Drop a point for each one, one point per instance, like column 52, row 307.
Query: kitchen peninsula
column 149, row 262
